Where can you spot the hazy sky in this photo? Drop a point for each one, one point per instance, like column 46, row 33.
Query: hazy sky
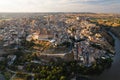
column 60, row 6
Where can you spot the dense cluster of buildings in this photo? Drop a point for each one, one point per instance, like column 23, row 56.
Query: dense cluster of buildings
column 56, row 29
column 42, row 39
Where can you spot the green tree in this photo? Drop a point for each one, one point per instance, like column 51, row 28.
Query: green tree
column 62, row 78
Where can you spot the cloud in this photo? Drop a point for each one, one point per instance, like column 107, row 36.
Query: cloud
column 59, row 5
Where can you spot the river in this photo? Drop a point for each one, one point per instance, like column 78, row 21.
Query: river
column 113, row 73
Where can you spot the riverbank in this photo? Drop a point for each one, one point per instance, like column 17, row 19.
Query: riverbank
column 113, row 72
column 116, row 31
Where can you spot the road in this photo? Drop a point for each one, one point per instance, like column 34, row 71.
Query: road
column 12, row 77
column 15, row 72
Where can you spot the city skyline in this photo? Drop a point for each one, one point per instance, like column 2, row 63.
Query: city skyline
column 99, row 6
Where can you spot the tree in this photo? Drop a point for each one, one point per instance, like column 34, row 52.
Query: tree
column 62, row 78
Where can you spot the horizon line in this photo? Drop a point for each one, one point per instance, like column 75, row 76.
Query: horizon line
column 68, row 12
